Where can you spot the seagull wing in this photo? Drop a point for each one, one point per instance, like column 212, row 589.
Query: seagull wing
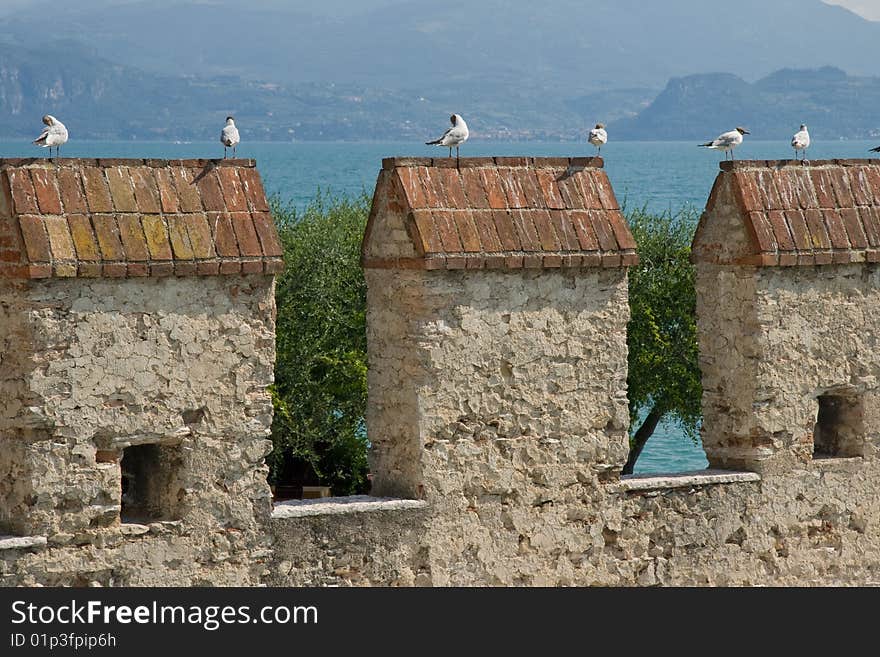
column 726, row 139
column 442, row 138
column 43, row 135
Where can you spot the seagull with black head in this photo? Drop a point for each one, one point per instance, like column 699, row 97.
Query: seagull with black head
column 53, row 135
column 454, row 136
column 727, row 141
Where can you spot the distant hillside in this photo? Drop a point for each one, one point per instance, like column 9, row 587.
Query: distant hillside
column 830, row 102
column 456, row 48
column 99, row 99
column 395, row 69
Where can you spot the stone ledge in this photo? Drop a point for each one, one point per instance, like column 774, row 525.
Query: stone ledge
column 342, row 505
column 21, row 542
column 835, row 463
column 686, row 479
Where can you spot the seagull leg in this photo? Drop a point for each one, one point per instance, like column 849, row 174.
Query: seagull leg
column 233, row 151
column 224, row 151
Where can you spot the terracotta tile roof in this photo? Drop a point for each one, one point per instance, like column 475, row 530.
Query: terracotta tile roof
column 502, row 212
column 795, row 214
column 111, row 217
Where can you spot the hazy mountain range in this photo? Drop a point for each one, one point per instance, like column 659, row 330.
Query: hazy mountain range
column 394, row 69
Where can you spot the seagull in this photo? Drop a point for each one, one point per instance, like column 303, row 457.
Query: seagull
column 727, row 142
column 598, row 137
column 875, row 150
column 454, row 136
column 801, row 142
column 229, row 136
column 54, row 134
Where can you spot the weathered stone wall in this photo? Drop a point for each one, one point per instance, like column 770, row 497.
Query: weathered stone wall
column 359, row 540
column 782, row 338
column 816, row 525
column 182, row 363
column 492, row 396
column 462, row 361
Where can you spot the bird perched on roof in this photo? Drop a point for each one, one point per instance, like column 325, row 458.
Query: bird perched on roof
column 598, row 137
column 727, row 142
column 54, row 134
column 801, row 142
column 454, row 136
column 229, row 136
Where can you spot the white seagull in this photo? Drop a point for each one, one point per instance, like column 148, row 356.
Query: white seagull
column 454, row 136
column 727, row 142
column 229, row 136
column 54, row 134
column 598, row 137
column 801, row 142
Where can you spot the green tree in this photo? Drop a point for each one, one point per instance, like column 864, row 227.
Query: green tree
column 664, row 374
column 320, row 388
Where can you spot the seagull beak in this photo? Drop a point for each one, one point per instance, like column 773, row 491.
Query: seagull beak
column 746, row 132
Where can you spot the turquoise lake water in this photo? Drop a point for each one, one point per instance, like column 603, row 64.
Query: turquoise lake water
column 660, row 175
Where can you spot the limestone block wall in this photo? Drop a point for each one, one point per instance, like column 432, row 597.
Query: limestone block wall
column 136, row 346
column 813, row 526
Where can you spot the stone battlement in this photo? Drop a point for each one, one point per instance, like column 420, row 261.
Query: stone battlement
column 134, row 409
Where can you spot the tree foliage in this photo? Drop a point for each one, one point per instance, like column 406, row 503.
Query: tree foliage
column 320, row 388
column 664, row 374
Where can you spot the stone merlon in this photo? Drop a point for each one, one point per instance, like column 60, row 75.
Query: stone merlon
column 496, row 213
column 125, row 218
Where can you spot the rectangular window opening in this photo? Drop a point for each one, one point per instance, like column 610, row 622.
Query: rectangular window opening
column 150, row 488
column 839, row 430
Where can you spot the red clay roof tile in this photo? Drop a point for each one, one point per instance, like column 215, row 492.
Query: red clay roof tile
column 824, row 210
column 503, row 212
column 116, row 218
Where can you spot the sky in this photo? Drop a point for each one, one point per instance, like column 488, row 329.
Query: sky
column 870, row 9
